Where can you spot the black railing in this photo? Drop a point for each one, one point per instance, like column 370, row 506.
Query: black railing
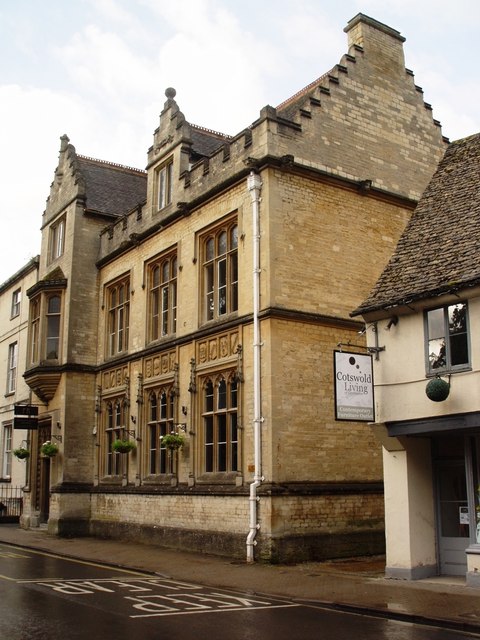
column 11, row 503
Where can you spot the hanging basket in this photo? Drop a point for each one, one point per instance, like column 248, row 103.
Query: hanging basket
column 437, row 390
column 172, row 441
column 21, row 453
column 123, row 446
column 49, row 449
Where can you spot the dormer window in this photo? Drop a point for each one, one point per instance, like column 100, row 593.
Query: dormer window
column 164, row 184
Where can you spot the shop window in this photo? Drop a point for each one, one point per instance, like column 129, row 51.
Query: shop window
column 160, row 423
column 164, row 184
column 447, row 340
column 220, row 271
column 118, row 297
column 163, row 297
column 220, row 428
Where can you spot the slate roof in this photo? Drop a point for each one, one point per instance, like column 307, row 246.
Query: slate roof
column 110, row 188
column 205, row 142
column 438, row 252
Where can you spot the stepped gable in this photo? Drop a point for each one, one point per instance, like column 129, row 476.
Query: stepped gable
column 112, row 188
column 437, row 253
column 290, row 107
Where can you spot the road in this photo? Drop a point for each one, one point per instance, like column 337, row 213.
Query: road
column 47, row 597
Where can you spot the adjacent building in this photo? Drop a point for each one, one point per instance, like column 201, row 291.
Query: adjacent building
column 425, row 311
column 14, row 310
column 203, row 298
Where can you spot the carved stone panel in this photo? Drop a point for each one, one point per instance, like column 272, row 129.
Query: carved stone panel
column 115, row 378
column 158, row 365
column 219, row 347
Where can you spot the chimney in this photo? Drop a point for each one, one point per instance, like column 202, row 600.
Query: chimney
column 382, row 44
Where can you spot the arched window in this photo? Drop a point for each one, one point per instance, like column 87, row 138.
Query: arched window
column 118, row 296
column 114, row 429
column 220, row 271
column 220, row 426
column 163, row 297
column 160, row 411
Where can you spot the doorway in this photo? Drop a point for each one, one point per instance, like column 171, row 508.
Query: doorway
column 453, row 517
column 457, row 474
column 42, row 475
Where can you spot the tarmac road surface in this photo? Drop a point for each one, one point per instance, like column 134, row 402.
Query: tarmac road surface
column 47, row 597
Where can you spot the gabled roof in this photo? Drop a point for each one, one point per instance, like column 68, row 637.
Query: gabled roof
column 438, row 252
column 111, row 188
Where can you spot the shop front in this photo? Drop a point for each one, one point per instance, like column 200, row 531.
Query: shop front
column 432, row 497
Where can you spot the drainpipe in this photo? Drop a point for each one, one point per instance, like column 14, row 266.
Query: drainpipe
column 254, row 185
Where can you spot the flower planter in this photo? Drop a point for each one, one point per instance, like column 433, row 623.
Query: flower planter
column 21, row 453
column 172, row 441
column 49, row 449
column 123, row 446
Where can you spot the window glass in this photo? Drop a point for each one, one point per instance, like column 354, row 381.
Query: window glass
column 220, row 272
column 16, row 299
column 114, row 430
column 160, row 461
column 165, row 175
column 57, row 240
column 7, row 452
column 12, row 367
column 220, row 426
column 118, row 317
column 163, row 298
column 447, row 337
column 53, row 327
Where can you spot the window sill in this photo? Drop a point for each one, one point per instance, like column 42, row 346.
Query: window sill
column 226, row 317
column 220, row 477
column 448, row 372
column 161, row 479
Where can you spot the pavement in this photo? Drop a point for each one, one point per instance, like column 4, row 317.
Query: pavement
column 355, row 584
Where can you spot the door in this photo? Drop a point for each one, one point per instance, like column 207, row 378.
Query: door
column 453, row 516
column 42, row 480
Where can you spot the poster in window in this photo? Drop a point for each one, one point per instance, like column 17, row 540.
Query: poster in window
column 353, row 387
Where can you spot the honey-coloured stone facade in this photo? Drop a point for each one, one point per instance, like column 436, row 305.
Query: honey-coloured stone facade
column 341, row 165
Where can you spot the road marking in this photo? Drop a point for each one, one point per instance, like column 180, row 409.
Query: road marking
column 154, row 597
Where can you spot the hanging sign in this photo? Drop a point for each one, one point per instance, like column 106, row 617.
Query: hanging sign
column 353, row 387
column 25, row 416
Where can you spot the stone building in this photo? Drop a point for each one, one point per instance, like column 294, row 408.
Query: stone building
column 13, row 348
column 205, row 296
column 427, row 377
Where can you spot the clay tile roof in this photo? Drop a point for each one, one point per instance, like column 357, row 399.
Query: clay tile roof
column 438, row 251
column 111, row 188
column 289, row 107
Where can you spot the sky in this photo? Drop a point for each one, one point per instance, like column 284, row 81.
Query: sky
column 97, row 71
